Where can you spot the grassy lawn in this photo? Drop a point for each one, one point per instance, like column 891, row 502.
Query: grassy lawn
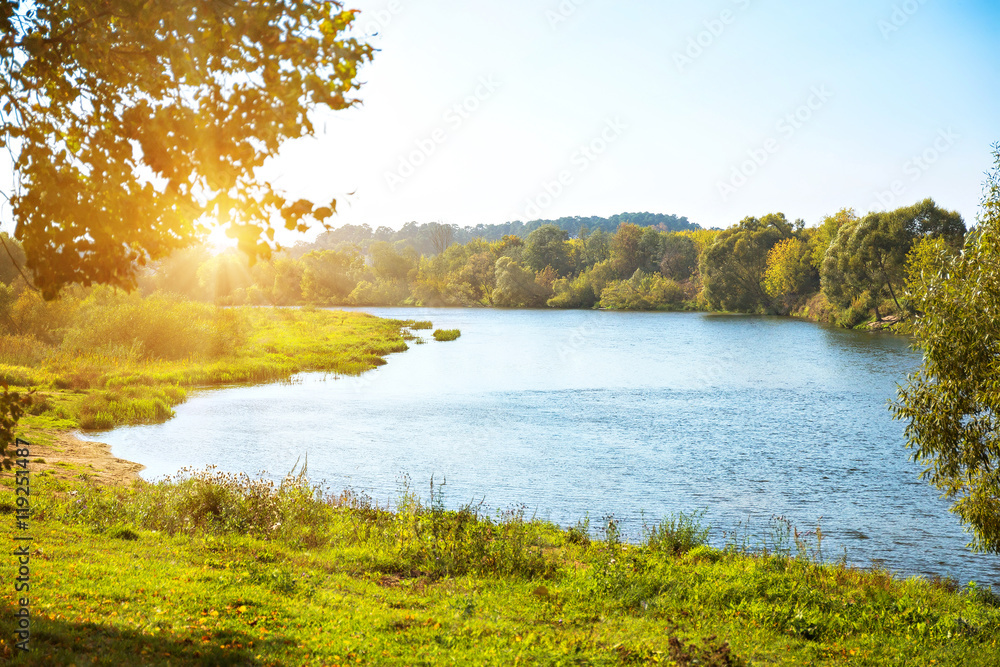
column 215, row 569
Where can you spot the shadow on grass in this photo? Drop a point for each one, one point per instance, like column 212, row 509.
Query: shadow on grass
column 56, row 642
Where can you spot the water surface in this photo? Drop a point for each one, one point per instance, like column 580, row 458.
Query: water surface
column 582, row 413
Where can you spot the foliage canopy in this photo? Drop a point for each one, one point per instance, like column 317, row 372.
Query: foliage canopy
column 734, row 266
column 868, row 257
column 132, row 123
column 952, row 402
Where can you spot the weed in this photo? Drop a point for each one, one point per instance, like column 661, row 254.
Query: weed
column 580, row 533
column 676, row 534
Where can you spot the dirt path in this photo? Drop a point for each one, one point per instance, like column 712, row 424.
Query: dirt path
column 69, row 457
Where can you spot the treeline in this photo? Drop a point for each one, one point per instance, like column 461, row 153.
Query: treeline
column 432, row 238
column 848, row 269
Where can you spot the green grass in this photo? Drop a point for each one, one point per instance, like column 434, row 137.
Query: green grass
column 211, row 568
column 128, row 360
column 447, row 334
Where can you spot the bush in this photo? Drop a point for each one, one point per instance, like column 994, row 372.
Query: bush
column 573, row 293
column 22, row 350
column 380, row 293
column 447, row 334
column 643, row 291
column 677, row 534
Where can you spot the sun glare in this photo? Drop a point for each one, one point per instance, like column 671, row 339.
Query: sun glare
column 218, row 241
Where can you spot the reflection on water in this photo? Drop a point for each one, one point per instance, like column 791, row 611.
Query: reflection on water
column 576, row 413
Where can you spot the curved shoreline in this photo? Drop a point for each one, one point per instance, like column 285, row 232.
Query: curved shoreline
column 70, row 457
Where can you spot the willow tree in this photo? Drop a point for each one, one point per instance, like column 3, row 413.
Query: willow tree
column 952, row 404
column 130, row 125
column 866, row 262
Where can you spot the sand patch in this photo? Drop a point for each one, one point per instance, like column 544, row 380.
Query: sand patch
column 69, row 457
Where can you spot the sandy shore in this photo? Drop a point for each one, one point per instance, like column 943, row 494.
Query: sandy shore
column 69, row 457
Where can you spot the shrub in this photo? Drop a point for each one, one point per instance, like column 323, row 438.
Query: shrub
column 22, row 350
column 643, row 291
column 158, row 327
column 447, row 334
column 677, row 534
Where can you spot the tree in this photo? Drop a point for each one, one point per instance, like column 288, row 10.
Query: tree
column 133, row 123
column 680, row 257
column 596, row 248
column 287, row 287
column 643, row 291
column 573, row 293
column 548, row 246
column 329, row 276
column 11, row 259
column 479, row 274
column 651, row 249
column 516, row 286
column 390, row 265
column 733, row 267
column 441, row 236
column 626, row 253
column 823, row 235
column 868, row 257
column 952, row 404
column 789, row 271
column 222, row 275
column 177, row 273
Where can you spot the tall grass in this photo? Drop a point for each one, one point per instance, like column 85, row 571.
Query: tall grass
column 416, row 539
column 22, row 350
column 123, row 359
column 677, row 534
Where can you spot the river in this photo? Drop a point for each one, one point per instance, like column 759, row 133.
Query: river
column 585, row 413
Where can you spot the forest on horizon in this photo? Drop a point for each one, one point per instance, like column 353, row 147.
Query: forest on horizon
column 848, row 269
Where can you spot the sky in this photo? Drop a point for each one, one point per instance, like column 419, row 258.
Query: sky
column 486, row 112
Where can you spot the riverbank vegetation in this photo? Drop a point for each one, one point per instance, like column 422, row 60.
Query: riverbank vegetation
column 98, row 358
column 848, row 269
column 951, row 404
column 210, row 568
column 447, row 334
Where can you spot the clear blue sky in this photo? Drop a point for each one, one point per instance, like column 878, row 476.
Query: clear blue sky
column 714, row 110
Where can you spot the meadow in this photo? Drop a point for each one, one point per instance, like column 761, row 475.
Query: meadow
column 213, row 569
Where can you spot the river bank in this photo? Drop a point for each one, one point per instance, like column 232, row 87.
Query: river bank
column 224, row 569
column 61, row 454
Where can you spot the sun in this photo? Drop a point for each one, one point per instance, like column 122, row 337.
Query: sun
column 218, row 241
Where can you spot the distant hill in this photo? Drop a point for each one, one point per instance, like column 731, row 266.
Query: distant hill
column 427, row 238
